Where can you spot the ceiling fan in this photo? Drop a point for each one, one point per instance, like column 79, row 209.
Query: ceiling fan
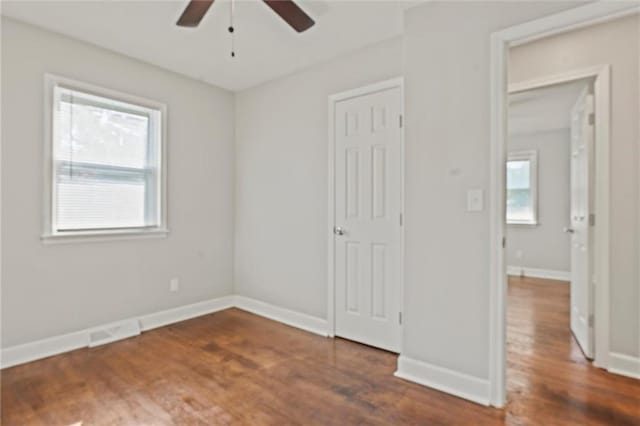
column 286, row 9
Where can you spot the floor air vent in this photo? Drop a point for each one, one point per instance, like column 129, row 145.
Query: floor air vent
column 113, row 332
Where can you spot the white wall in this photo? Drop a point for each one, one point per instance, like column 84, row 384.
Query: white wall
column 545, row 245
column 446, row 69
column 53, row 289
column 281, row 177
column 616, row 43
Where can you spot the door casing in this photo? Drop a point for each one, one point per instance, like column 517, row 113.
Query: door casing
column 568, row 20
column 397, row 82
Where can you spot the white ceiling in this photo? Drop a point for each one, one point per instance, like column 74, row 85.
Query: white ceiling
column 543, row 109
column 266, row 46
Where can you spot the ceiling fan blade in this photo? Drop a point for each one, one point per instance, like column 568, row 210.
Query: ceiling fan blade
column 194, row 12
column 291, row 13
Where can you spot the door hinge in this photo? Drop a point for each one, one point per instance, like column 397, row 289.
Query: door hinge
column 401, row 220
column 592, row 219
column 592, row 119
column 400, row 318
column 592, row 320
column 400, row 119
column 504, row 242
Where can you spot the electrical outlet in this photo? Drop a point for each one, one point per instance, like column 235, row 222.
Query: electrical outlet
column 174, row 285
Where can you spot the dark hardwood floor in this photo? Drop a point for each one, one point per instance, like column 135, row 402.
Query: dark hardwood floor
column 548, row 375
column 236, row 368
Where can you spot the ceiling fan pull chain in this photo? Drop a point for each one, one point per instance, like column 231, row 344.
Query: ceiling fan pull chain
column 231, row 29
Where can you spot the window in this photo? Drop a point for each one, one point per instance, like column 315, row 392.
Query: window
column 521, row 188
column 105, row 161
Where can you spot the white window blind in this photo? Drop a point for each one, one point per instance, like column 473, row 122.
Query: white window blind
column 106, row 164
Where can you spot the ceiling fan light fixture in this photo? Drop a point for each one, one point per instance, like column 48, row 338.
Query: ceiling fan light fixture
column 288, row 10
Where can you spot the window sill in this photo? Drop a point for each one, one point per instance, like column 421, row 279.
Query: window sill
column 522, row 224
column 98, row 236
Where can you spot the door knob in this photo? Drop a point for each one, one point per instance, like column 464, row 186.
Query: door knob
column 568, row 230
column 338, row 231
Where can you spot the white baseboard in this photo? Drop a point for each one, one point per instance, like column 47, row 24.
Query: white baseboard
column 55, row 345
column 295, row 319
column 548, row 274
column 183, row 313
column 624, row 365
column 44, row 348
column 455, row 383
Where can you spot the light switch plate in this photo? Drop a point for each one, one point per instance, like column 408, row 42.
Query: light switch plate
column 174, row 285
column 475, row 200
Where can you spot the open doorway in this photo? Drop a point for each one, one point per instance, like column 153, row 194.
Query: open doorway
column 550, row 205
column 550, row 212
column 596, row 36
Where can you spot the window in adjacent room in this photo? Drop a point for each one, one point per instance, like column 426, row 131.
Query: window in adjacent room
column 522, row 188
column 106, row 162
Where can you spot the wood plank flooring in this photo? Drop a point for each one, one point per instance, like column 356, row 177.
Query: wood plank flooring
column 232, row 367
column 548, row 376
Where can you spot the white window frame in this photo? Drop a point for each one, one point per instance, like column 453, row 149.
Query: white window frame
column 532, row 157
column 51, row 235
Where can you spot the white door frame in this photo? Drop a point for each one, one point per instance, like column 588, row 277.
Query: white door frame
column 579, row 17
column 333, row 100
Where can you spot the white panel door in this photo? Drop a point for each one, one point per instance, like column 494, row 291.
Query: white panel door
column 368, row 185
column 582, row 203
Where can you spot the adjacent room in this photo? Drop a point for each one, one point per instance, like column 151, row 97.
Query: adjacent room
column 547, row 183
column 564, row 90
column 319, row 212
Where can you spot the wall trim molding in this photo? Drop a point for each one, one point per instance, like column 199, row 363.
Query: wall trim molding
column 289, row 317
column 452, row 382
column 548, row 274
column 55, row 345
column 44, row 348
column 624, row 365
column 183, row 313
